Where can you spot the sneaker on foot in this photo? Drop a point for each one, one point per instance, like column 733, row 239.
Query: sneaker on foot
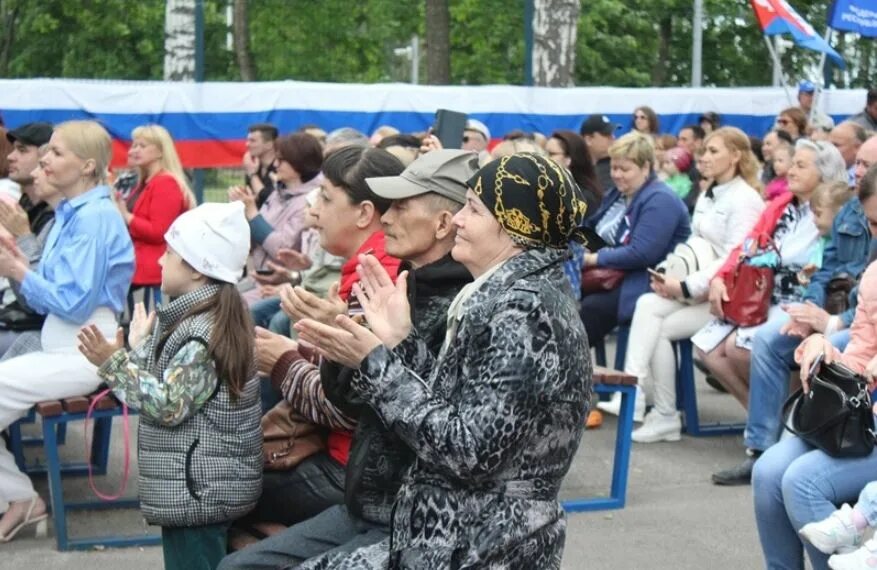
column 864, row 557
column 658, row 427
column 613, row 405
column 837, row 533
column 738, row 475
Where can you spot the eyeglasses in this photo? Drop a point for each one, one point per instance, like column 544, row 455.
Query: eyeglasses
column 640, row 117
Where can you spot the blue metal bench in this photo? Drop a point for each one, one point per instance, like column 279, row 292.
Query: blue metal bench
column 686, row 396
column 623, row 332
column 55, row 413
column 608, row 381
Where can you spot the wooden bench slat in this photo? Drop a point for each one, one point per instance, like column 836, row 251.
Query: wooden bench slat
column 50, row 408
column 75, row 405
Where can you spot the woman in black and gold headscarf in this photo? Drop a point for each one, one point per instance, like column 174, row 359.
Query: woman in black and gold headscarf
column 496, row 419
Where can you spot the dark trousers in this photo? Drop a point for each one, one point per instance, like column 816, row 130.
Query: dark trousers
column 599, row 312
column 333, row 531
column 194, row 548
column 289, row 497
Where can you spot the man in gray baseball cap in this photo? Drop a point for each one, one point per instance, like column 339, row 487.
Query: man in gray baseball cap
column 418, row 231
column 418, row 226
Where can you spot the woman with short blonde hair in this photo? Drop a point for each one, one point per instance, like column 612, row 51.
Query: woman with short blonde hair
column 639, row 222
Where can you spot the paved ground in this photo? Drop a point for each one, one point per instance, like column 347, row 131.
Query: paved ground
column 674, row 517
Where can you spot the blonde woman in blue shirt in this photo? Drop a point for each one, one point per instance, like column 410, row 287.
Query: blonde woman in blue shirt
column 83, row 277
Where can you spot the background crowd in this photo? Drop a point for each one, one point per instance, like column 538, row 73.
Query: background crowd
column 328, row 229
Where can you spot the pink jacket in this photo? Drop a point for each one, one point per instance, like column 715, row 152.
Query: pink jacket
column 284, row 210
column 863, row 332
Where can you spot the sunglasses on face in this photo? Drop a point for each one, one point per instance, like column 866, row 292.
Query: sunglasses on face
column 465, row 138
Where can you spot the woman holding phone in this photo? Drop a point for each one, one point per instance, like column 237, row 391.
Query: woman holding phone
column 676, row 309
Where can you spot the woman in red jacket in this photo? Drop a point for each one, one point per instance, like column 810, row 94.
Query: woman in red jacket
column 161, row 194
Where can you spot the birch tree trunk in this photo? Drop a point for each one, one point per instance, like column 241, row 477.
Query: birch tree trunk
column 241, row 32
column 555, row 23
column 179, row 40
column 438, row 42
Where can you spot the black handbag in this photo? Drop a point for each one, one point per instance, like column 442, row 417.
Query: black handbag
column 835, row 415
column 15, row 317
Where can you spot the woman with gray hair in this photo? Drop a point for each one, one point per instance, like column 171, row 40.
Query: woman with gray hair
column 788, row 223
column 496, row 419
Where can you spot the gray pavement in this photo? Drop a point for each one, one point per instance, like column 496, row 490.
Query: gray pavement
column 674, row 518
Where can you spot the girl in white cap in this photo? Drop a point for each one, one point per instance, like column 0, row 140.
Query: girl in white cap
column 190, row 373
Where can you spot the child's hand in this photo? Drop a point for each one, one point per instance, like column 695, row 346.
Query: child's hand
column 141, row 325
column 95, row 347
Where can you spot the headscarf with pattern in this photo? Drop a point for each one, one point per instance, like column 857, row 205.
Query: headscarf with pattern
column 534, row 199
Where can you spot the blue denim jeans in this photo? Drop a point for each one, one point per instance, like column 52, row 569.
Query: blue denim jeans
column 772, row 360
column 263, row 311
column 794, row 484
column 334, row 530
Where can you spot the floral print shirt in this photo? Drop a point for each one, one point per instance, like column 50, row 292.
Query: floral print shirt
column 184, row 387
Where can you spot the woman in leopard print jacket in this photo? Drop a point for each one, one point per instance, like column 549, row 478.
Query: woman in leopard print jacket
column 496, row 419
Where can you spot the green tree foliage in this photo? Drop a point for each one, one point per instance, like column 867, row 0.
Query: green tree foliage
column 620, row 42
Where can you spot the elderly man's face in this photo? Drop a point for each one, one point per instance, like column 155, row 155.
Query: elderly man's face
column 473, row 140
column 844, row 138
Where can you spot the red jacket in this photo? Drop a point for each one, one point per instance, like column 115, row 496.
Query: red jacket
column 338, row 442
column 156, row 206
column 764, row 227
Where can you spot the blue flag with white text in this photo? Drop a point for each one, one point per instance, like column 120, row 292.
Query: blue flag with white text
column 857, row 16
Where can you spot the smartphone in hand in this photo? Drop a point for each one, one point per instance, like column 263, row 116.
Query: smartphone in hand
column 448, row 127
column 657, row 275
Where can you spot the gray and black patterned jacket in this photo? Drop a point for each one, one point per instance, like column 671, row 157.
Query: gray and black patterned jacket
column 199, row 449
column 378, row 458
column 495, row 422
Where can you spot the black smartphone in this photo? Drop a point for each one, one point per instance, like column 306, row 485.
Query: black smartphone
column 264, row 272
column 449, row 126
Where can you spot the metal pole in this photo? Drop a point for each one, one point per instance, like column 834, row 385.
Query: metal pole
column 415, row 59
column 697, row 45
column 529, row 10
column 826, row 77
column 198, row 175
column 778, row 76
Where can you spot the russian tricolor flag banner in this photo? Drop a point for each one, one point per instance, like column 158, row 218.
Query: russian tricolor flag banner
column 209, row 120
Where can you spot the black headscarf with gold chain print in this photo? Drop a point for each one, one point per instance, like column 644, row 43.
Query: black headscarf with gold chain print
column 534, row 199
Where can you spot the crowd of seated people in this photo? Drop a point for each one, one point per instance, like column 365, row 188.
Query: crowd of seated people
column 408, row 303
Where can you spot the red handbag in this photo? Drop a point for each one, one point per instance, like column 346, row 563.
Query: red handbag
column 600, row 279
column 749, row 292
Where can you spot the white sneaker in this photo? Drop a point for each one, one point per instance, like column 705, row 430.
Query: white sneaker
column 658, row 427
column 613, row 405
column 864, row 557
column 837, row 533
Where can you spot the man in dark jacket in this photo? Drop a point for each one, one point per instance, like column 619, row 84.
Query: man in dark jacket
column 599, row 134
column 419, row 230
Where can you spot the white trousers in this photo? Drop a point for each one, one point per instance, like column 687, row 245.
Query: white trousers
column 656, row 323
column 57, row 371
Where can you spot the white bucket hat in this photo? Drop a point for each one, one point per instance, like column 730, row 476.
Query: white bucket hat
column 214, row 239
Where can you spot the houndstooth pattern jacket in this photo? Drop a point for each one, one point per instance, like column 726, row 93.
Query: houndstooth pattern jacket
column 204, row 465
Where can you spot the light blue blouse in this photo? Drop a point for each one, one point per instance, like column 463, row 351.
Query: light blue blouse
column 88, row 260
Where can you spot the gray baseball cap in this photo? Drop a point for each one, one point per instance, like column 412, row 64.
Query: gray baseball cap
column 444, row 172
